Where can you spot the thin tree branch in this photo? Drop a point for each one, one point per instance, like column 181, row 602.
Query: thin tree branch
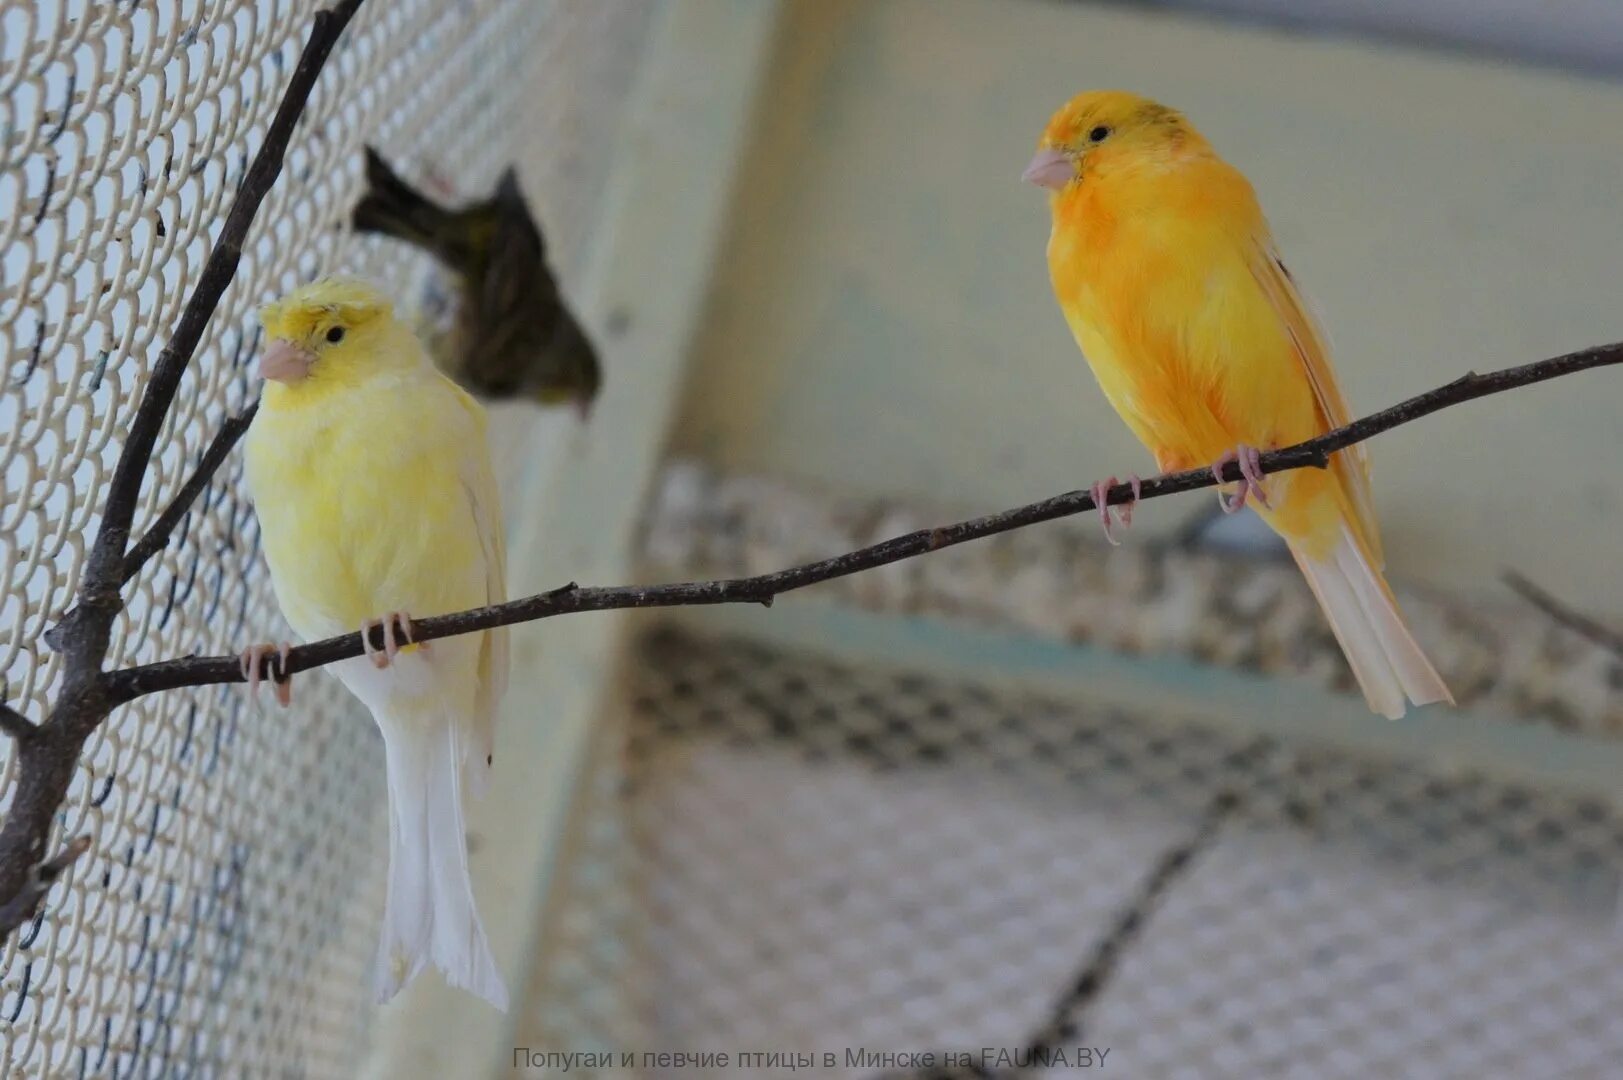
column 134, row 682
column 104, row 566
column 1064, row 1026
column 15, row 724
column 157, row 536
column 1062, row 1030
column 20, row 907
column 1576, row 621
column 48, row 755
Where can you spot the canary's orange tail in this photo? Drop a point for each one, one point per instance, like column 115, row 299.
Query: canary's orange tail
column 1389, row 666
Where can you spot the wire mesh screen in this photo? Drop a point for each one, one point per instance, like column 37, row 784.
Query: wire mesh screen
column 225, row 916
column 778, row 854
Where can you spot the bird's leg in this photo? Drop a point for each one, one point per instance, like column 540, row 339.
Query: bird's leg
column 253, row 660
column 408, row 631
column 394, row 622
column 1250, row 461
column 1230, row 506
column 283, row 687
column 1126, row 508
column 1101, row 492
column 380, row 660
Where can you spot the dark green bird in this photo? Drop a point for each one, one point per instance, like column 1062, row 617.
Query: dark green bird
column 515, row 337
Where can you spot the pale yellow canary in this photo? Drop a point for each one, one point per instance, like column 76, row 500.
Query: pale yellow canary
column 1168, row 275
column 371, row 477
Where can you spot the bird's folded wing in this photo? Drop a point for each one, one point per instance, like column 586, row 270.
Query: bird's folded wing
column 1351, row 465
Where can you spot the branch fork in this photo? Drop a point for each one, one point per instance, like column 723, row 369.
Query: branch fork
column 48, row 753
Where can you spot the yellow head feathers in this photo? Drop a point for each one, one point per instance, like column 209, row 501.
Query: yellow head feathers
column 1099, row 130
column 329, row 333
column 311, row 309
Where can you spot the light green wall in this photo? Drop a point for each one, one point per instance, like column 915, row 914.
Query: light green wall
column 882, row 320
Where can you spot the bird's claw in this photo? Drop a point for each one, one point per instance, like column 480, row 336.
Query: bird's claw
column 1249, row 459
column 252, row 660
column 393, row 624
column 1101, row 493
column 1126, row 508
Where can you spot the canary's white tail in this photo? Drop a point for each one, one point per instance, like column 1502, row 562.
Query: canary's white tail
column 1389, row 666
column 429, row 916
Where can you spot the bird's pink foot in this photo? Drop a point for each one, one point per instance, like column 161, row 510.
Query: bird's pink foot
column 397, row 634
column 1126, row 508
column 253, row 670
column 1250, row 462
column 1101, row 492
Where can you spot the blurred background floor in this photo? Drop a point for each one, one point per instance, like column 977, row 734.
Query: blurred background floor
column 779, row 852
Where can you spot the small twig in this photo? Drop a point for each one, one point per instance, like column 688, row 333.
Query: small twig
column 1064, row 1025
column 1576, row 621
column 15, row 724
column 134, row 682
column 157, row 536
column 20, row 908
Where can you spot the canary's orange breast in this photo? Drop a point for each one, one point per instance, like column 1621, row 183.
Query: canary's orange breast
column 1157, row 271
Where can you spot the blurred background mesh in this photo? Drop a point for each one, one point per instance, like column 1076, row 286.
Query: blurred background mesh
column 224, row 920
column 778, row 852
column 772, row 848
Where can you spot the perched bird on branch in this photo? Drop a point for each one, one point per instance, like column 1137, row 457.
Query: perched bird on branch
column 515, row 336
column 372, row 481
column 1167, row 273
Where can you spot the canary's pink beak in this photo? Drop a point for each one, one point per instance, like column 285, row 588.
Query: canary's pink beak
column 1049, row 169
column 285, row 362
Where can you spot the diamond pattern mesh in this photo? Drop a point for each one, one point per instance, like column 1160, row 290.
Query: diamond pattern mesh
column 778, row 853
column 224, row 919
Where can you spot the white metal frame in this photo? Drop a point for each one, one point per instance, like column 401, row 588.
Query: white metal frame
column 663, row 221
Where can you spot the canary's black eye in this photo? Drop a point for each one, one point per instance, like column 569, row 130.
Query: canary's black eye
column 335, row 335
column 1099, row 134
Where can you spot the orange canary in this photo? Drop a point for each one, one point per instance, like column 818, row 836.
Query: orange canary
column 1167, row 273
